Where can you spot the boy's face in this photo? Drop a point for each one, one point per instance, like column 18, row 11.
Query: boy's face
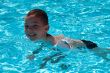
column 35, row 28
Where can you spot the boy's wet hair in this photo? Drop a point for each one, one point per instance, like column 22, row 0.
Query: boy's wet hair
column 39, row 13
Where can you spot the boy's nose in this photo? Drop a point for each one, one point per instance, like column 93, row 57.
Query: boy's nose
column 30, row 28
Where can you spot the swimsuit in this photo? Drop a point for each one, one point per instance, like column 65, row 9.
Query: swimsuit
column 89, row 44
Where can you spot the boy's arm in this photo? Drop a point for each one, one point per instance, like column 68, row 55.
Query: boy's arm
column 102, row 52
column 32, row 56
column 37, row 50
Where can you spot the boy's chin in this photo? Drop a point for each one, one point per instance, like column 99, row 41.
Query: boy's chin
column 36, row 40
column 33, row 39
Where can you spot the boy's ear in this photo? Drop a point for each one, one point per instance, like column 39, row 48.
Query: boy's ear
column 24, row 18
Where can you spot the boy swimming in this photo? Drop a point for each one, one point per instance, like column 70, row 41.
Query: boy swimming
column 36, row 27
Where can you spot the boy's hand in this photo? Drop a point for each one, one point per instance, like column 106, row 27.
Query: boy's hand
column 31, row 57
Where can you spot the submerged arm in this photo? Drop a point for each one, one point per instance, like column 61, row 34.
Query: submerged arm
column 32, row 56
column 102, row 52
column 37, row 50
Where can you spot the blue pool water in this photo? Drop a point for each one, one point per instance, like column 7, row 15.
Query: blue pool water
column 78, row 19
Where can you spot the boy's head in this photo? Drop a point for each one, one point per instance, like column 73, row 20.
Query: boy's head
column 36, row 24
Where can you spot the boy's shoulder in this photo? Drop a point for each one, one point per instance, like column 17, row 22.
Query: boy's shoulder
column 59, row 37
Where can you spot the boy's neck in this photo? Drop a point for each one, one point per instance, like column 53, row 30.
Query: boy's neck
column 50, row 38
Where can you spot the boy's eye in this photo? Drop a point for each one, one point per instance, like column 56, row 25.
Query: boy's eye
column 35, row 26
column 26, row 26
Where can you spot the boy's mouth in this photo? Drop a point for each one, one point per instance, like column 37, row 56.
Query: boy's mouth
column 32, row 35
